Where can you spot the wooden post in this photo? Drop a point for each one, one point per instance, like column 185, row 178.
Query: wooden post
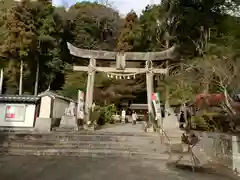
column 90, row 88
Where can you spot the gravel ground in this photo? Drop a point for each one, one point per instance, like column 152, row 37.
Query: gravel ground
column 69, row 168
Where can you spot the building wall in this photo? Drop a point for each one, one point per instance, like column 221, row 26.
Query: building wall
column 55, row 110
column 27, row 119
column 45, row 108
column 59, row 107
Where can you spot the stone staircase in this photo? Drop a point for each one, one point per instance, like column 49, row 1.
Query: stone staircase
column 119, row 141
column 82, row 143
column 171, row 128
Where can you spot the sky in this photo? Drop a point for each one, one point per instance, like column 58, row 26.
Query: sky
column 123, row 6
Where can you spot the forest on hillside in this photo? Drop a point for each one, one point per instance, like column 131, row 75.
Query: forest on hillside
column 33, row 36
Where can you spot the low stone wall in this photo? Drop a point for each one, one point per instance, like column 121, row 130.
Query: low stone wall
column 221, row 148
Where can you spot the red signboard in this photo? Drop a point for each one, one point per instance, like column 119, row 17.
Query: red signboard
column 10, row 112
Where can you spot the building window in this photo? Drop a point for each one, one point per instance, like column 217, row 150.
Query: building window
column 15, row 113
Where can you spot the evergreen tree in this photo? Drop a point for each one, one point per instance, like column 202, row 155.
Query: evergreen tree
column 20, row 38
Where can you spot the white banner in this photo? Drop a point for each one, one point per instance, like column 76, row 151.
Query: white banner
column 157, row 105
column 80, row 106
column 157, row 108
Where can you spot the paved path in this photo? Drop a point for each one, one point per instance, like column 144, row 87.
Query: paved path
column 66, row 168
column 124, row 128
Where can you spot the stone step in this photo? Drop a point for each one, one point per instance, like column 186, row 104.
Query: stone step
column 70, row 149
column 80, row 145
column 79, row 133
column 61, row 137
column 83, row 153
column 67, row 131
column 98, row 153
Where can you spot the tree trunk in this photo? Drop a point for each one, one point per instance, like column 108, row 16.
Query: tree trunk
column 37, row 79
column 21, row 78
column 1, row 81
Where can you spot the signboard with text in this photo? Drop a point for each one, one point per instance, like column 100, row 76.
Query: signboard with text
column 157, row 106
column 80, row 107
column 15, row 113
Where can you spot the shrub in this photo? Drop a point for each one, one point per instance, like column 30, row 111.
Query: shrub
column 106, row 113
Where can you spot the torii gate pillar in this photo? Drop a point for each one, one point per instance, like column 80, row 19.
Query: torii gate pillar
column 90, row 89
column 149, row 84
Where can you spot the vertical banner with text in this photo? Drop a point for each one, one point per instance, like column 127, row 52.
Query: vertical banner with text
column 80, row 105
column 157, row 107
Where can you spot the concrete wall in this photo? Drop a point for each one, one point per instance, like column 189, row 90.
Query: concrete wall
column 59, row 107
column 45, row 107
column 220, row 147
column 28, row 117
column 236, row 153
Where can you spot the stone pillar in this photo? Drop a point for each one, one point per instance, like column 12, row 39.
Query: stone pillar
column 121, row 61
column 90, row 88
column 235, row 154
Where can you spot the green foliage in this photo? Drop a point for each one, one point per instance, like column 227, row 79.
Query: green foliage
column 20, row 27
column 4, row 6
column 34, row 35
column 183, row 86
column 102, row 115
column 95, row 26
column 107, row 113
column 94, row 115
column 200, row 123
column 36, row 32
column 154, row 28
column 211, row 121
column 48, row 42
column 74, row 81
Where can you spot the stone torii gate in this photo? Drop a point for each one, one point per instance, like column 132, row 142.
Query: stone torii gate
column 120, row 58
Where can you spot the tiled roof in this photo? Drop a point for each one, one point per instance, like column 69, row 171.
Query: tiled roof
column 54, row 95
column 18, row 98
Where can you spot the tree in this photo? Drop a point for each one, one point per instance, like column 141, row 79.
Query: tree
column 93, row 26
column 35, row 34
column 47, row 48
column 74, row 81
column 130, row 35
column 183, row 84
column 20, row 34
column 4, row 6
column 225, row 78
